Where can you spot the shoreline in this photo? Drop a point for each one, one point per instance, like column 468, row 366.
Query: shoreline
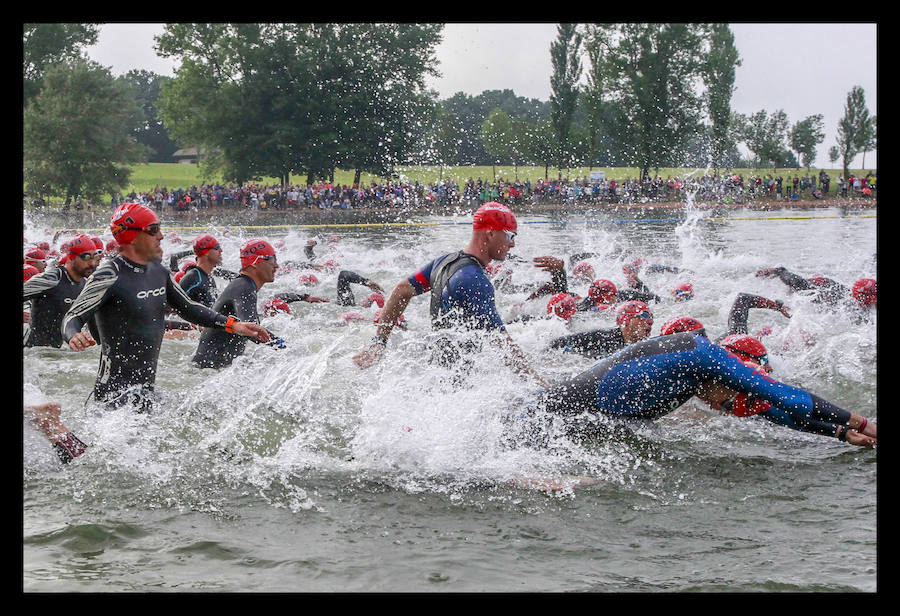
column 404, row 215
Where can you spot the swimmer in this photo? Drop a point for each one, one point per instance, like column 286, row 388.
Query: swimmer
column 197, row 281
column 345, row 293
column 218, row 348
column 461, row 294
column 634, row 320
column 858, row 300
column 53, row 292
column 126, row 298
column 652, row 378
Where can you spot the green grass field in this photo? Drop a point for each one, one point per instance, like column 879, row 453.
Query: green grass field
column 172, row 175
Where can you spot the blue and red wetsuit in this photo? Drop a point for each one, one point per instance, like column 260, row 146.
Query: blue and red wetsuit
column 466, row 299
column 654, row 377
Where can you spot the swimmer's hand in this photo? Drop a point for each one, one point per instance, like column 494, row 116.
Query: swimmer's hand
column 369, row 357
column 315, row 300
column 251, row 330
column 766, row 272
column 861, row 440
column 548, row 263
column 375, row 286
column 81, row 341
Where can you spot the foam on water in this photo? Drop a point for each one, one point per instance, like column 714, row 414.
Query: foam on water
column 276, row 417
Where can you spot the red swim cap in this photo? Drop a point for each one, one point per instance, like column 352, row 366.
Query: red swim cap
column 274, row 306
column 864, row 291
column 179, row 275
column 631, row 309
column 494, row 216
column 603, row 291
column 746, row 348
column 308, row 280
column 583, row 270
column 562, row 305
column 677, row 325
column 79, row 245
column 98, row 243
column 129, row 219
column 35, row 254
column 818, row 280
column 204, row 243
column 254, row 250
column 683, row 292
column 28, row 272
column 112, row 245
column 374, row 298
column 186, row 265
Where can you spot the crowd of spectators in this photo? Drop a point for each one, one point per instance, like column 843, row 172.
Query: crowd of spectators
column 448, row 193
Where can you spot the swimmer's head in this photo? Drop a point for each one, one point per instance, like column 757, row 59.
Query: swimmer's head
column 677, row 325
column 308, row 280
column 129, row 219
column 583, row 271
column 257, row 250
column 204, row 243
column 747, row 349
column 635, row 319
column 683, row 292
column 562, row 305
column 374, row 298
column 493, row 216
column 603, row 292
column 274, row 306
column 28, row 271
column 865, row 291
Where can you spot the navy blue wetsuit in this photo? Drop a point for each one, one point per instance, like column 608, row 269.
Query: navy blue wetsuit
column 51, row 294
column 461, row 296
column 466, row 298
column 127, row 302
column 654, row 377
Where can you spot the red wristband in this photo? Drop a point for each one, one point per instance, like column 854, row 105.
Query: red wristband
column 229, row 325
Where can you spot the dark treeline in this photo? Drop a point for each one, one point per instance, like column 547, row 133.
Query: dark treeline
column 277, row 100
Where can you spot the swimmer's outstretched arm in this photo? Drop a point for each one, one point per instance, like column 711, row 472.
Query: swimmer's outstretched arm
column 46, row 418
column 393, row 310
column 516, row 359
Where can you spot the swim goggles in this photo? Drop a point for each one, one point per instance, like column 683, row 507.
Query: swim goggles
column 510, row 235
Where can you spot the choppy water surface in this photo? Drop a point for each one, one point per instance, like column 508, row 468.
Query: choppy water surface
column 293, row 470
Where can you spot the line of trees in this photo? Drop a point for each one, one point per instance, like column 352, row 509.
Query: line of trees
column 277, row 100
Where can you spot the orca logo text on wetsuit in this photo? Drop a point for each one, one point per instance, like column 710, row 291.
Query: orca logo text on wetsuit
column 153, row 292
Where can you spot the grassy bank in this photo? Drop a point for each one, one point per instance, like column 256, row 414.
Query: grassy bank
column 172, row 175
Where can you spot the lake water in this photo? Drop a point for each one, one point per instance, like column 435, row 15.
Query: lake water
column 294, row 471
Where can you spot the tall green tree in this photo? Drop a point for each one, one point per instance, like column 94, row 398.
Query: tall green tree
column 46, row 45
column 78, row 133
column 650, row 74
column 765, row 136
column 299, row 98
column 718, row 72
column 805, row 136
column 565, row 58
column 869, row 141
column 496, row 135
column 592, row 95
column 445, row 139
column 151, row 132
column 854, row 128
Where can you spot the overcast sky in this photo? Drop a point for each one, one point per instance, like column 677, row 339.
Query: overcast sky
column 803, row 69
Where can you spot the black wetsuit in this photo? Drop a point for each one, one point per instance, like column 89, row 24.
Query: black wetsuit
column 128, row 303
column 199, row 286
column 344, row 293
column 51, row 294
column 740, row 310
column 595, row 344
column 828, row 292
column 217, row 348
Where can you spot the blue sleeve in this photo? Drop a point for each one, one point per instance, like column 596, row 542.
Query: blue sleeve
column 473, row 292
column 732, row 373
column 421, row 280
